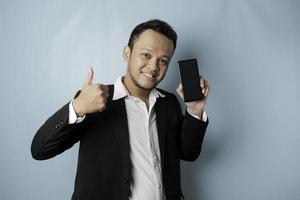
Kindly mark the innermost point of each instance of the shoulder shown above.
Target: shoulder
(171, 102)
(168, 95)
(164, 92)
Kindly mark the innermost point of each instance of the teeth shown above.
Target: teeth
(148, 75)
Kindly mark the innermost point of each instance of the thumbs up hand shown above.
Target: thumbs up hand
(92, 97)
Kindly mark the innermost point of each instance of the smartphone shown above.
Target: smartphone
(190, 80)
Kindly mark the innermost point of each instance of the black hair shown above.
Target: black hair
(155, 25)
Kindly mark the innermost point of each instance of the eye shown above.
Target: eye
(146, 55)
(164, 62)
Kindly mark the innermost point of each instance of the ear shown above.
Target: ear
(126, 53)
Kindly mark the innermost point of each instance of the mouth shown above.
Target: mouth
(149, 75)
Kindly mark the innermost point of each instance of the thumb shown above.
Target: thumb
(89, 77)
(179, 90)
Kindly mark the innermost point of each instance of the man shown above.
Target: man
(132, 135)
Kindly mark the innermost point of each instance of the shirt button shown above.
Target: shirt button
(126, 179)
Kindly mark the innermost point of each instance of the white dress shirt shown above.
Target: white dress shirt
(143, 139)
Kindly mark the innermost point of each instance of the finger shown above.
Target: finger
(204, 88)
(103, 107)
(179, 90)
(103, 101)
(207, 90)
(201, 82)
(104, 94)
(89, 77)
(205, 83)
(104, 87)
(179, 87)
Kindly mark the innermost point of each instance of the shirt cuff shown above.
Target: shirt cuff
(204, 116)
(72, 115)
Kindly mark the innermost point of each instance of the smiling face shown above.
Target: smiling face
(147, 61)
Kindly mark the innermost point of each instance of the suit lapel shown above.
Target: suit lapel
(119, 117)
(161, 122)
(122, 133)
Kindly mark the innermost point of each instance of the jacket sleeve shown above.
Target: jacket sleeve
(191, 136)
(55, 135)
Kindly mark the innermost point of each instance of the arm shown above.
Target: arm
(60, 131)
(191, 134)
(56, 135)
(193, 125)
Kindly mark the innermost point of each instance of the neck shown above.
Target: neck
(134, 90)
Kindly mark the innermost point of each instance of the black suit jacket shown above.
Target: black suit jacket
(104, 165)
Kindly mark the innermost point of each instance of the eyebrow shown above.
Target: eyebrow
(148, 49)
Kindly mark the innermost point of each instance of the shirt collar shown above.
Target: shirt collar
(120, 90)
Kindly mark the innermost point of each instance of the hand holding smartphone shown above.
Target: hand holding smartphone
(190, 80)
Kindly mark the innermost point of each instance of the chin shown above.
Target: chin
(147, 87)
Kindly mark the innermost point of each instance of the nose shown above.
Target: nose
(153, 64)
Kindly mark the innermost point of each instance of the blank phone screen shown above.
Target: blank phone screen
(190, 80)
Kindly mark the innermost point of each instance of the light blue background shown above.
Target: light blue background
(248, 50)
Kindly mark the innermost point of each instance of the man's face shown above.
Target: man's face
(148, 60)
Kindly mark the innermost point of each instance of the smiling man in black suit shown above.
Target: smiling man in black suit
(132, 135)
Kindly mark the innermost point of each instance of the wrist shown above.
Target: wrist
(78, 108)
(196, 112)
